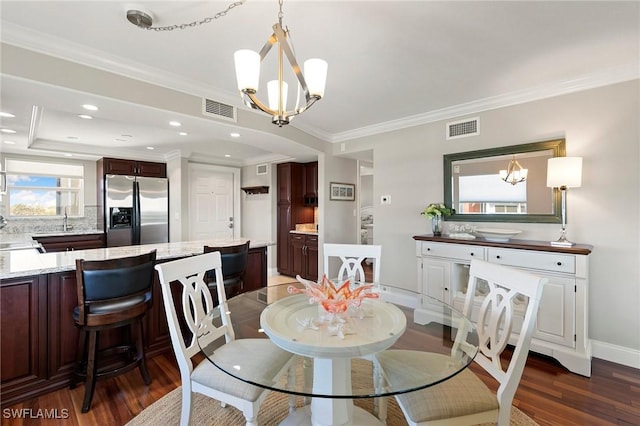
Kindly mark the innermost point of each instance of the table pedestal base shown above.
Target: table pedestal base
(331, 377)
(302, 417)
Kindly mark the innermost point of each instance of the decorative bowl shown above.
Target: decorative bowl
(499, 235)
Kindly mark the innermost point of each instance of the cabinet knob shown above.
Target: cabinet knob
(559, 263)
(471, 253)
(428, 249)
(498, 257)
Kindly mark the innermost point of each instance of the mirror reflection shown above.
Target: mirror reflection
(506, 184)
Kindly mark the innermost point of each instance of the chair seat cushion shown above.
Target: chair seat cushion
(113, 306)
(462, 395)
(260, 358)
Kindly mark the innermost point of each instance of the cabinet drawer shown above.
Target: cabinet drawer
(550, 262)
(462, 252)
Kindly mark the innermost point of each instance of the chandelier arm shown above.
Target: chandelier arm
(255, 103)
(284, 43)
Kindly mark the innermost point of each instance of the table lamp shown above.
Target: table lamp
(563, 173)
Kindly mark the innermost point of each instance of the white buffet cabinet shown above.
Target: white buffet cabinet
(562, 324)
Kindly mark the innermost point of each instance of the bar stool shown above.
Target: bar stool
(234, 267)
(112, 293)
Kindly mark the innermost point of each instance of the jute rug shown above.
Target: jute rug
(206, 411)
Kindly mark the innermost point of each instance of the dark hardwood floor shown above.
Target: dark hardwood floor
(548, 393)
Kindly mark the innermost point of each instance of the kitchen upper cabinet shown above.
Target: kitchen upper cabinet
(311, 184)
(116, 166)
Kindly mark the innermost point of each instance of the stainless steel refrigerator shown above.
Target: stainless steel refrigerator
(136, 210)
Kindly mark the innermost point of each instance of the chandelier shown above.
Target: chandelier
(312, 82)
(514, 173)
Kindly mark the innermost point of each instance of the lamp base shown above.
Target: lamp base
(562, 242)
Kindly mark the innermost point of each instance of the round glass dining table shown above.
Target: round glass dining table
(337, 358)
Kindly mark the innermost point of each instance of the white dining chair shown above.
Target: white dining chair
(351, 257)
(464, 399)
(195, 302)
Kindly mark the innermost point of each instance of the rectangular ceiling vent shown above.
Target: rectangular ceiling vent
(463, 128)
(218, 110)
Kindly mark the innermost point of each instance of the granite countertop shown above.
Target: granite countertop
(304, 232)
(21, 263)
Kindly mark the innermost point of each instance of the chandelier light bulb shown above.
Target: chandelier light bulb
(315, 74)
(247, 64)
(273, 92)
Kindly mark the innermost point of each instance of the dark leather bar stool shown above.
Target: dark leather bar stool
(111, 294)
(234, 267)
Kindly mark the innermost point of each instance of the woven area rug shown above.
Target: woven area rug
(207, 411)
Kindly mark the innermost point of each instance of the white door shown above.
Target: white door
(211, 203)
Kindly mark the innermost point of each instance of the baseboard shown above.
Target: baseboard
(614, 353)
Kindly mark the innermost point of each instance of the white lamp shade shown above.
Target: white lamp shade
(564, 171)
(273, 92)
(315, 74)
(247, 69)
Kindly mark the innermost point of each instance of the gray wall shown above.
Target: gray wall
(600, 125)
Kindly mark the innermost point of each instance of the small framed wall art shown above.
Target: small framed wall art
(342, 191)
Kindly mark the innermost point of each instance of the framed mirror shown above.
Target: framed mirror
(479, 187)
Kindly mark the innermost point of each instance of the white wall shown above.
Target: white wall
(600, 125)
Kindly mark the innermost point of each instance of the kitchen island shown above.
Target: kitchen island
(38, 337)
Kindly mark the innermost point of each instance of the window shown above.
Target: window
(41, 189)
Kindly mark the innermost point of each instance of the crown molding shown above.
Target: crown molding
(630, 71)
(19, 36)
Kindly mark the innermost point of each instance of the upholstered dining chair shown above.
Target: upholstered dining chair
(234, 268)
(112, 293)
(351, 257)
(193, 305)
(464, 399)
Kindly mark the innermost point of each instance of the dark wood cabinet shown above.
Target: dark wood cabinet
(23, 348)
(311, 184)
(291, 210)
(56, 243)
(256, 275)
(117, 166)
(304, 255)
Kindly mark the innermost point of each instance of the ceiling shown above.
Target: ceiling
(392, 64)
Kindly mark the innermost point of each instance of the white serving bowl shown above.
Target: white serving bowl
(499, 235)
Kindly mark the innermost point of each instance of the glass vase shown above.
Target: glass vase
(436, 226)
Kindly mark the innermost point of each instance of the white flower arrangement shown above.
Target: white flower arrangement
(436, 209)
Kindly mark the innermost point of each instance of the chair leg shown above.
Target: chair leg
(140, 353)
(81, 356)
(92, 367)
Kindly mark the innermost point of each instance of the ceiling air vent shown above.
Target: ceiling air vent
(463, 128)
(218, 110)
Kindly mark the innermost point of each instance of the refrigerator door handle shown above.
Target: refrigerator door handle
(135, 229)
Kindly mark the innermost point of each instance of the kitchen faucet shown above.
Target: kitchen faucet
(65, 225)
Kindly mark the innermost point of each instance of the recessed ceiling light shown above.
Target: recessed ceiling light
(9, 142)
(183, 133)
(175, 123)
(150, 148)
(6, 114)
(90, 107)
(7, 130)
(235, 135)
(126, 136)
(72, 137)
(85, 116)
(68, 155)
(227, 155)
(119, 140)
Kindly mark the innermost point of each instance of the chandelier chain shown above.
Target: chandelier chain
(198, 22)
